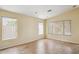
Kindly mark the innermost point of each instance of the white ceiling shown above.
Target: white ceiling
(40, 10)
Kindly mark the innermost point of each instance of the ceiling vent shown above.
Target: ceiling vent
(74, 6)
(49, 10)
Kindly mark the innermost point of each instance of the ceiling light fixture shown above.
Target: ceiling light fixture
(35, 12)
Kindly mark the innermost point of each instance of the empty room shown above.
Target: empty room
(39, 29)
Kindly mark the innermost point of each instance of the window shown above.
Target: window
(9, 28)
(60, 27)
(40, 28)
(67, 27)
(57, 27)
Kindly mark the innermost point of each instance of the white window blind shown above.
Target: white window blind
(9, 28)
(40, 28)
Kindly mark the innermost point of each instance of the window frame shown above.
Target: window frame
(15, 20)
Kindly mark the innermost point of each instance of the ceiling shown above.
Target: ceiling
(38, 11)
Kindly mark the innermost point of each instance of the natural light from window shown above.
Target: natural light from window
(40, 28)
(9, 28)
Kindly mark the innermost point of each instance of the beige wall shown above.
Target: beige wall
(72, 15)
(27, 29)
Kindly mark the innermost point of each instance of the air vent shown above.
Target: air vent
(74, 6)
(49, 10)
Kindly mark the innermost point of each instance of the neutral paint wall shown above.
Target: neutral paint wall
(72, 15)
(27, 29)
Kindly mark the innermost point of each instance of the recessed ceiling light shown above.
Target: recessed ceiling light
(49, 10)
